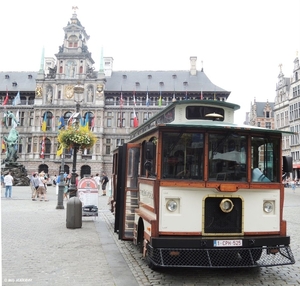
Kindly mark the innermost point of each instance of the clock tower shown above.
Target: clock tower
(73, 65)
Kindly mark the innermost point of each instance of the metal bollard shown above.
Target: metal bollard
(74, 213)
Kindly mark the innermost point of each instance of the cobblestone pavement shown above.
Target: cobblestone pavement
(284, 275)
(38, 249)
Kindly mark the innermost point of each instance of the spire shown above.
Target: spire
(42, 61)
(101, 61)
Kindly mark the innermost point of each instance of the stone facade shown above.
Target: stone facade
(108, 101)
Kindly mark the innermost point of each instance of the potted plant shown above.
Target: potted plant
(76, 137)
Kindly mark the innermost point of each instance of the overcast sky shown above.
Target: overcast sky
(241, 43)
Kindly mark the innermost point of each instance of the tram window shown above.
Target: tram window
(133, 167)
(227, 157)
(200, 112)
(183, 156)
(265, 159)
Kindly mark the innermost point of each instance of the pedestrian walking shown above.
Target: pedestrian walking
(41, 189)
(8, 181)
(104, 182)
(293, 183)
(2, 181)
(97, 179)
(34, 182)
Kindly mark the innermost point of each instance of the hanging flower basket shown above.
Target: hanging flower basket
(72, 137)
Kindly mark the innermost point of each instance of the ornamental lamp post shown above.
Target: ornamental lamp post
(78, 89)
(61, 184)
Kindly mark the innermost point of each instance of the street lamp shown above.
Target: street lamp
(78, 89)
(61, 184)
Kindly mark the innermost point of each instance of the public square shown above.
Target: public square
(38, 249)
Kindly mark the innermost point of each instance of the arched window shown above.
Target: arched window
(47, 146)
(67, 117)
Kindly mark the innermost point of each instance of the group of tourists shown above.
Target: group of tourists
(101, 182)
(38, 183)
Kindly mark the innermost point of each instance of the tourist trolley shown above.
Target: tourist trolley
(193, 189)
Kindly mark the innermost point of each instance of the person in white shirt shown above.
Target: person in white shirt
(8, 181)
(97, 179)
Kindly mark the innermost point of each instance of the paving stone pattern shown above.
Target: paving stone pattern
(38, 249)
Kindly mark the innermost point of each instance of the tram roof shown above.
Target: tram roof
(205, 124)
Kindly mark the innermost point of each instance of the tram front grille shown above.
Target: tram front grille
(217, 221)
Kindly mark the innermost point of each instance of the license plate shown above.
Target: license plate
(228, 243)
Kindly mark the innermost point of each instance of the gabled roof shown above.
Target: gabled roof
(260, 106)
(177, 80)
(25, 81)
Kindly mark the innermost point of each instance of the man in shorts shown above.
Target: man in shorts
(104, 182)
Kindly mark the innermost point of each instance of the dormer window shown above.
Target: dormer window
(30, 76)
(161, 83)
(14, 83)
(149, 76)
(124, 76)
(6, 76)
(137, 83)
(185, 83)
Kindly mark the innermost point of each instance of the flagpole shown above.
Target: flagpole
(61, 185)
(121, 106)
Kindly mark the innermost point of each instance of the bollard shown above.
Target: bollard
(74, 213)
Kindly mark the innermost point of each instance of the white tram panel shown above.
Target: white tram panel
(187, 217)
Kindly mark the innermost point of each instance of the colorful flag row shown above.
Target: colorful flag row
(16, 101)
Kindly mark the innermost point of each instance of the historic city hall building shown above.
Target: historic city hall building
(108, 101)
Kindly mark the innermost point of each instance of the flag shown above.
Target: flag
(159, 100)
(201, 96)
(6, 98)
(43, 148)
(73, 118)
(61, 123)
(121, 100)
(147, 98)
(60, 150)
(85, 123)
(135, 120)
(44, 123)
(17, 99)
(16, 122)
(93, 123)
(121, 106)
(174, 98)
(134, 102)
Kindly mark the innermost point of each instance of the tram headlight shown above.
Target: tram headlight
(268, 206)
(226, 205)
(171, 205)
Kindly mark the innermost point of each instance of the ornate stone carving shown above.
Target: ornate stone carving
(69, 91)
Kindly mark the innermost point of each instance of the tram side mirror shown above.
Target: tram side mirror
(149, 150)
(287, 164)
(148, 166)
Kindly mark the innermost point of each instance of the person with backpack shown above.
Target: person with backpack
(104, 182)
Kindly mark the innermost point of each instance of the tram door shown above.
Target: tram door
(127, 189)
